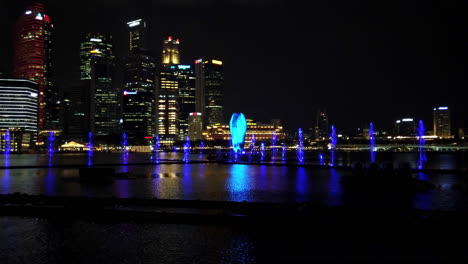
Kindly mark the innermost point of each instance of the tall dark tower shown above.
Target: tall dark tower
(139, 95)
(209, 92)
(321, 126)
(33, 60)
(138, 37)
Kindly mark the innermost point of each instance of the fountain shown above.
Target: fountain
(202, 147)
(283, 152)
(238, 127)
(262, 151)
(125, 151)
(372, 141)
(7, 138)
(252, 148)
(90, 149)
(321, 158)
(51, 140)
(333, 142)
(156, 148)
(300, 147)
(422, 155)
(273, 146)
(186, 158)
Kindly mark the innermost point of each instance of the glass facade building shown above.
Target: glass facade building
(209, 90)
(94, 45)
(32, 60)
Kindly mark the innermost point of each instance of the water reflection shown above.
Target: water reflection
(301, 184)
(122, 188)
(238, 183)
(6, 174)
(50, 184)
(187, 181)
(334, 189)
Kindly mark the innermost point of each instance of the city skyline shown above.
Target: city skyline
(258, 69)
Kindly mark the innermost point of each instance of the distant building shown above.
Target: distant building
(19, 106)
(405, 127)
(168, 107)
(321, 126)
(33, 61)
(209, 92)
(263, 132)
(195, 126)
(19, 140)
(442, 127)
(138, 36)
(170, 53)
(76, 112)
(94, 45)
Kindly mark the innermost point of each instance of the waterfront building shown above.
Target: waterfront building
(405, 127)
(33, 61)
(209, 90)
(441, 118)
(19, 107)
(261, 131)
(76, 101)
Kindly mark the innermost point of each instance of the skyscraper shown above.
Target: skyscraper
(19, 105)
(33, 45)
(137, 35)
(170, 54)
(168, 107)
(139, 95)
(105, 100)
(321, 126)
(185, 76)
(94, 45)
(209, 92)
(442, 127)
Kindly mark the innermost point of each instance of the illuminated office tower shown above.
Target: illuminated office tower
(209, 90)
(185, 76)
(94, 45)
(137, 35)
(19, 106)
(139, 95)
(168, 107)
(170, 54)
(405, 127)
(32, 60)
(442, 127)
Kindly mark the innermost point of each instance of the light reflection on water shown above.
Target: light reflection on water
(233, 182)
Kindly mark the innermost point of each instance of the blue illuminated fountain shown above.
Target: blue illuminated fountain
(156, 148)
(51, 140)
(321, 158)
(238, 127)
(300, 147)
(273, 146)
(333, 142)
(7, 138)
(90, 149)
(202, 147)
(252, 148)
(262, 151)
(283, 152)
(422, 155)
(186, 158)
(372, 141)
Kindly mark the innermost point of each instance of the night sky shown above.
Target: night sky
(362, 60)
